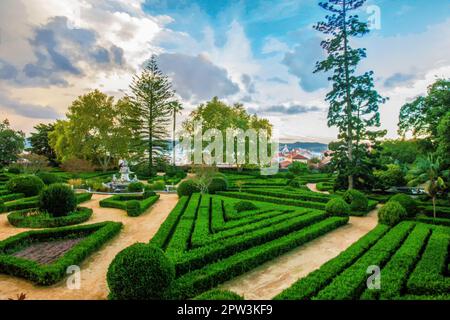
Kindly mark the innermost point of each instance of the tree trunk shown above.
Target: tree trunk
(173, 136)
(348, 98)
(434, 207)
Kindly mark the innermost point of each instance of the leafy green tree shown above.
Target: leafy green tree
(12, 143)
(216, 114)
(393, 176)
(353, 99)
(422, 116)
(95, 130)
(152, 99)
(443, 140)
(40, 142)
(426, 172)
(298, 168)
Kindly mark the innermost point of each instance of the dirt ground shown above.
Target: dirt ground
(95, 267)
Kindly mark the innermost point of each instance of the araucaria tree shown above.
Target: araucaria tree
(152, 100)
(353, 100)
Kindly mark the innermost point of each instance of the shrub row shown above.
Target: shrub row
(198, 257)
(219, 295)
(12, 196)
(350, 283)
(287, 202)
(23, 219)
(133, 208)
(299, 195)
(309, 286)
(196, 282)
(96, 236)
(396, 272)
(437, 221)
(166, 230)
(428, 276)
(180, 238)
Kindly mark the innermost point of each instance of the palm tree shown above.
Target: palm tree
(176, 108)
(426, 172)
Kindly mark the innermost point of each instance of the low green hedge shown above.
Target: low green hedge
(12, 197)
(193, 283)
(219, 295)
(307, 287)
(133, 207)
(22, 219)
(96, 236)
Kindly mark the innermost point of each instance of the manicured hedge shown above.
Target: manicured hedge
(133, 207)
(96, 236)
(166, 230)
(193, 283)
(21, 219)
(287, 202)
(351, 282)
(12, 197)
(309, 286)
(219, 295)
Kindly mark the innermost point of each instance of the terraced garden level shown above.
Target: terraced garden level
(210, 242)
(413, 258)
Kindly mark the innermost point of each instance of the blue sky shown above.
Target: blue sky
(257, 52)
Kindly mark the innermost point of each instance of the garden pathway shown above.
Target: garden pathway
(313, 187)
(271, 278)
(95, 267)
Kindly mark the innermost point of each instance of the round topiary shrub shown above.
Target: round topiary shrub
(140, 272)
(58, 200)
(187, 188)
(242, 206)
(135, 187)
(337, 207)
(407, 202)
(28, 185)
(295, 183)
(391, 213)
(217, 184)
(49, 178)
(219, 295)
(133, 208)
(357, 200)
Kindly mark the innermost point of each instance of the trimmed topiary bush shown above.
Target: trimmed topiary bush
(391, 213)
(28, 185)
(296, 183)
(219, 295)
(217, 184)
(58, 200)
(49, 178)
(140, 272)
(407, 202)
(135, 187)
(133, 208)
(357, 200)
(337, 207)
(242, 206)
(187, 188)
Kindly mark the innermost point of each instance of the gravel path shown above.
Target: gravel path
(95, 267)
(271, 278)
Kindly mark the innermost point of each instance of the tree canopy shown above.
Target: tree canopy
(12, 143)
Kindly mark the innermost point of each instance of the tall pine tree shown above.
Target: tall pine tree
(152, 98)
(353, 99)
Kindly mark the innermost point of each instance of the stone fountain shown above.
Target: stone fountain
(121, 184)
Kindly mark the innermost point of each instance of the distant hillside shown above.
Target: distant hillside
(310, 146)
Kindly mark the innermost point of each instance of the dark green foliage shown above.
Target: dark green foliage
(95, 236)
(407, 202)
(2, 206)
(357, 200)
(219, 295)
(49, 178)
(28, 185)
(309, 286)
(29, 219)
(140, 272)
(298, 168)
(337, 207)
(187, 188)
(134, 205)
(58, 200)
(242, 206)
(14, 170)
(391, 213)
(135, 187)
(217, 184)
(296, 183)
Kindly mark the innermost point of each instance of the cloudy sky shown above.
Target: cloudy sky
(258, 52)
